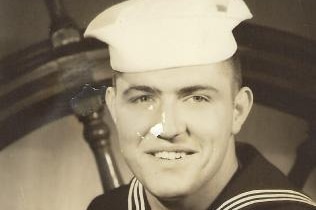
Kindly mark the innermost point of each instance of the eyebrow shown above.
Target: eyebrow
(195, 88)
(182, 91)
(141, 88)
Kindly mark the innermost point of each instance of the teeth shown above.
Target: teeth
(170, 155)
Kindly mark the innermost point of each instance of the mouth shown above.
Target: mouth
(171, 155)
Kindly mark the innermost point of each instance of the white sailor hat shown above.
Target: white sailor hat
(146, 35)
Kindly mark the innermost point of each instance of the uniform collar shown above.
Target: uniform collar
(137, 199)
(255, 180)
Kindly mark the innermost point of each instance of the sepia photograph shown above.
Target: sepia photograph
(158, 104)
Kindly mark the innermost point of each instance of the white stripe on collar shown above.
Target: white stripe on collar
(141, 194)
(130, 192)
(136, 201)
(259, 196)
(136, 196)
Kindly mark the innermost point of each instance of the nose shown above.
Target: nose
(172, 124)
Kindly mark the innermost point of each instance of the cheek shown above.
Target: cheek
(132, 127)
(212, 121)
(135, 123)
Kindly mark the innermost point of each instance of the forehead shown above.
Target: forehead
(218, 75)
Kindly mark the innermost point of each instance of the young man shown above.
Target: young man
(177, 103)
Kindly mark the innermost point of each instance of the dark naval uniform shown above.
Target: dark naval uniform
(257, 185)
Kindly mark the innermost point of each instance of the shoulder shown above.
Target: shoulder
(258, 185)
(269, 199)
(114, 199)
(286, 205)
(280, 206)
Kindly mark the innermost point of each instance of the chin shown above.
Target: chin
(169, 194)
(168, 190)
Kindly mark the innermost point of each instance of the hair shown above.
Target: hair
(115, 75)
(235, 63)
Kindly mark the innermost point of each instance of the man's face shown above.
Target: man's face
(174, 125)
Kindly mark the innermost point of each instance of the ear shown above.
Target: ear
(242, 106)
(110, 101)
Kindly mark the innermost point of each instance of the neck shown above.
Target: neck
(206, 194)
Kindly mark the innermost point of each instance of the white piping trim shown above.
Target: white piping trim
(130, 192)
(271, 200)
(269, 193)
(136, 196)
(141, 195)
(265, 196)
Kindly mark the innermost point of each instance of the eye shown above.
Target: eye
(142, 99)
(198, 99)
